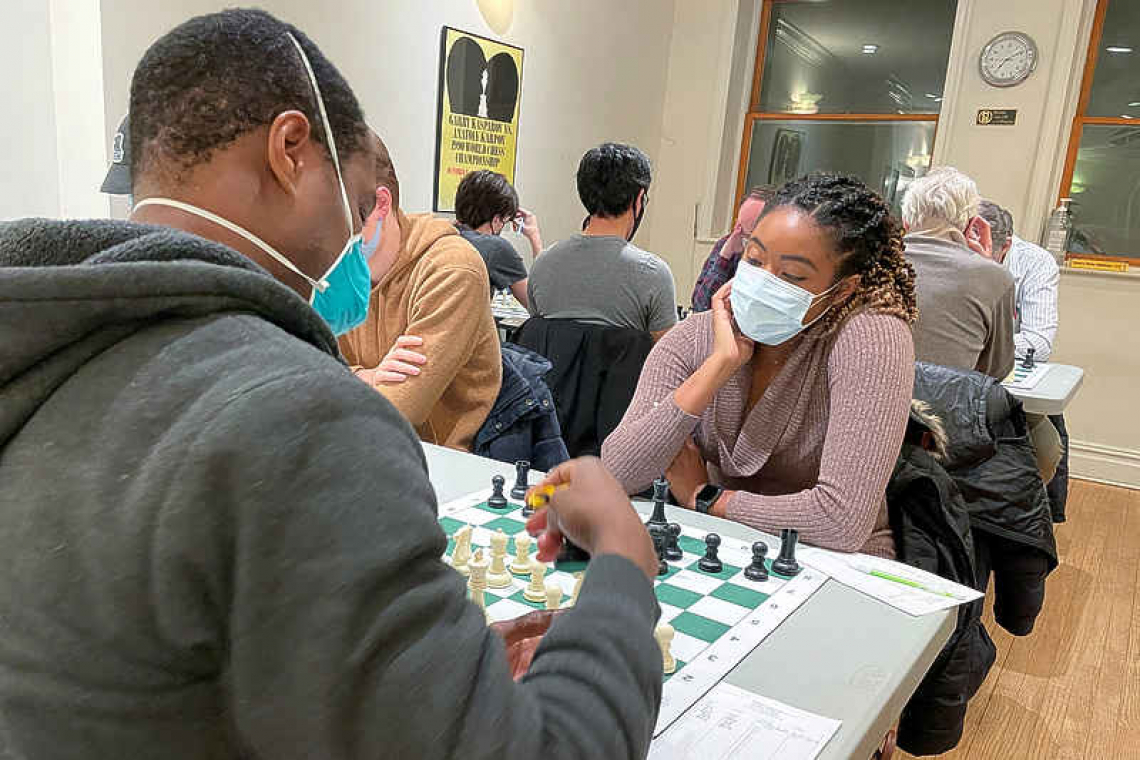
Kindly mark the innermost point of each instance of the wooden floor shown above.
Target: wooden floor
(1071, 689)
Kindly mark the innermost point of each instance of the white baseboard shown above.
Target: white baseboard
(1104, 464)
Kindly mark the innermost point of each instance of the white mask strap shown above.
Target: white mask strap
(328, 131)
(226, 223)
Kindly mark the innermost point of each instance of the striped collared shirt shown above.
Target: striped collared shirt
(1036, 278)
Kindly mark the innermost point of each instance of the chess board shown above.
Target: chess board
(1023, 379)
(719, 618)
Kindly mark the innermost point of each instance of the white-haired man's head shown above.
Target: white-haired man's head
(945, 197)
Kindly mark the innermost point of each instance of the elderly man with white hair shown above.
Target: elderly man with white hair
(965, 301)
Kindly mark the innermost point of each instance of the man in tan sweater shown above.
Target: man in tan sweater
(429, 293)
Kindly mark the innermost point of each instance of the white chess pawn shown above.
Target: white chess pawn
(477, 583)
(497, 576)
(536, 590)
(521, 564)
(553, 596)
(461, 556)
(664, 635)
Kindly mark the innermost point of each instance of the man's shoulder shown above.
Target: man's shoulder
(1027, 255)
(647, 261)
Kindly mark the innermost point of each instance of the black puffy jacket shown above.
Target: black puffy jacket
(991, 459)
(931, 528)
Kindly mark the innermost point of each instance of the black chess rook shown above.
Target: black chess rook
(497, 500)
(757, 571)
(522, 480)
(711, 563)
(786, 563)
(659, 535)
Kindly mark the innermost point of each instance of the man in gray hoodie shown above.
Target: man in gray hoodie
(217, 542)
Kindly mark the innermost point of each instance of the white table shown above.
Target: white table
(843, 655)
(1054, 392)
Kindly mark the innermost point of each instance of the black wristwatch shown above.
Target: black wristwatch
(707, 496)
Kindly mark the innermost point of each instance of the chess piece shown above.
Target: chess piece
(786, 564)
(660, 494)
(461, 556)
(521, 564)
(477, 583)
(497, 500)
(757, 571)
(522, 477)
(711, 563)
(497, 576)
(658, 534)
(1027, 362)
(673, 551)
(571, 552)
(664, 635)
(577, 589)
(553, 597)
(536, 590)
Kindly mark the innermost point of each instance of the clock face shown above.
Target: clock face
(1008, 59)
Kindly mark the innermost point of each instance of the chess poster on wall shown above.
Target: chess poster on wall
(480, 83)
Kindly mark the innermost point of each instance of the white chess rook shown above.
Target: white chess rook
(536, 590)
(553, 596)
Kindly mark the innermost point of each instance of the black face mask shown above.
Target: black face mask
(640, 215)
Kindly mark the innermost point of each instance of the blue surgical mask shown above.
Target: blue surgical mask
(767, 309)
(341, 295)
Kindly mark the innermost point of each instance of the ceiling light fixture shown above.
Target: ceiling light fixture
(1118, 49)
(870, 49)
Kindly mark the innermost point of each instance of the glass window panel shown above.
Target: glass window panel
(1106, 192)
(1115, 82)
(886, 155)
(815, 60)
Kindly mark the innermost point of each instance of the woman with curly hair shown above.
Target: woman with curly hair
(785, 406)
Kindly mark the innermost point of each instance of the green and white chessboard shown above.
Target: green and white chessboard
(719, 618)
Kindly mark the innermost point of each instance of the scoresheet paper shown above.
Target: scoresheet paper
(730, 722)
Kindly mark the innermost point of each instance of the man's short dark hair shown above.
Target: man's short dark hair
(610, 176)
(1000, 221)
(214, 78)
(764, 193)
(483, 195)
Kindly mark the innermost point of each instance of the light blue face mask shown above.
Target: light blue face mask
(341, 295)
(767, 309)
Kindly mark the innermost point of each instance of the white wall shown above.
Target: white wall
(593, 70)
(29, 182)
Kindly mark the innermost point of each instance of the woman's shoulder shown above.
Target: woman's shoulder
(692, 336)
(877, 333)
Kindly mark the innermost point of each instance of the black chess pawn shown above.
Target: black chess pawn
(757, 571)
(711, 563)
(786, 564)
(522, 482)
(497, 500)
(673, 551)
(660, 494)
(1027, 362)
(659, 535)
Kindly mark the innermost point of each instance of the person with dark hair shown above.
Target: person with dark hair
(485, 203)
(720, 267)
(600, 277)
(218, 542)
(785, 406)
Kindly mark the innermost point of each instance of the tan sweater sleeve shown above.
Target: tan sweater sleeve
(443, 308)
(870, 381)
(654, 428)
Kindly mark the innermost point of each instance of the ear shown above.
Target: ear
(384, 202)
(287, 149)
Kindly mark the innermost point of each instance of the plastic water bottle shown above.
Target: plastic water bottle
(1057, 231)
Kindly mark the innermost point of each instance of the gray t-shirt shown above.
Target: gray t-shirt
(504, 265)
(603, 280)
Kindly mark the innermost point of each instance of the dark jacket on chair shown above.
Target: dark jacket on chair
(991, 459)
(523, 423)
(595, 373)
(931, 528)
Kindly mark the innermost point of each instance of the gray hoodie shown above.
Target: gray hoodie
(217, 543)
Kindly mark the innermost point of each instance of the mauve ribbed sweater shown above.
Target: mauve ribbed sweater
(816, 451)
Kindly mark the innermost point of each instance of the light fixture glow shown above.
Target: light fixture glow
(932, 96)
(870, 49)
(1118, 49)
(1134, 103)
(1126, 116)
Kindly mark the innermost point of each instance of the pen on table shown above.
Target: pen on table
(905, 581)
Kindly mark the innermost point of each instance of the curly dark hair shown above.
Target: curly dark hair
(483, 195)
(868, 238)
(216, 77)
(610, 176)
